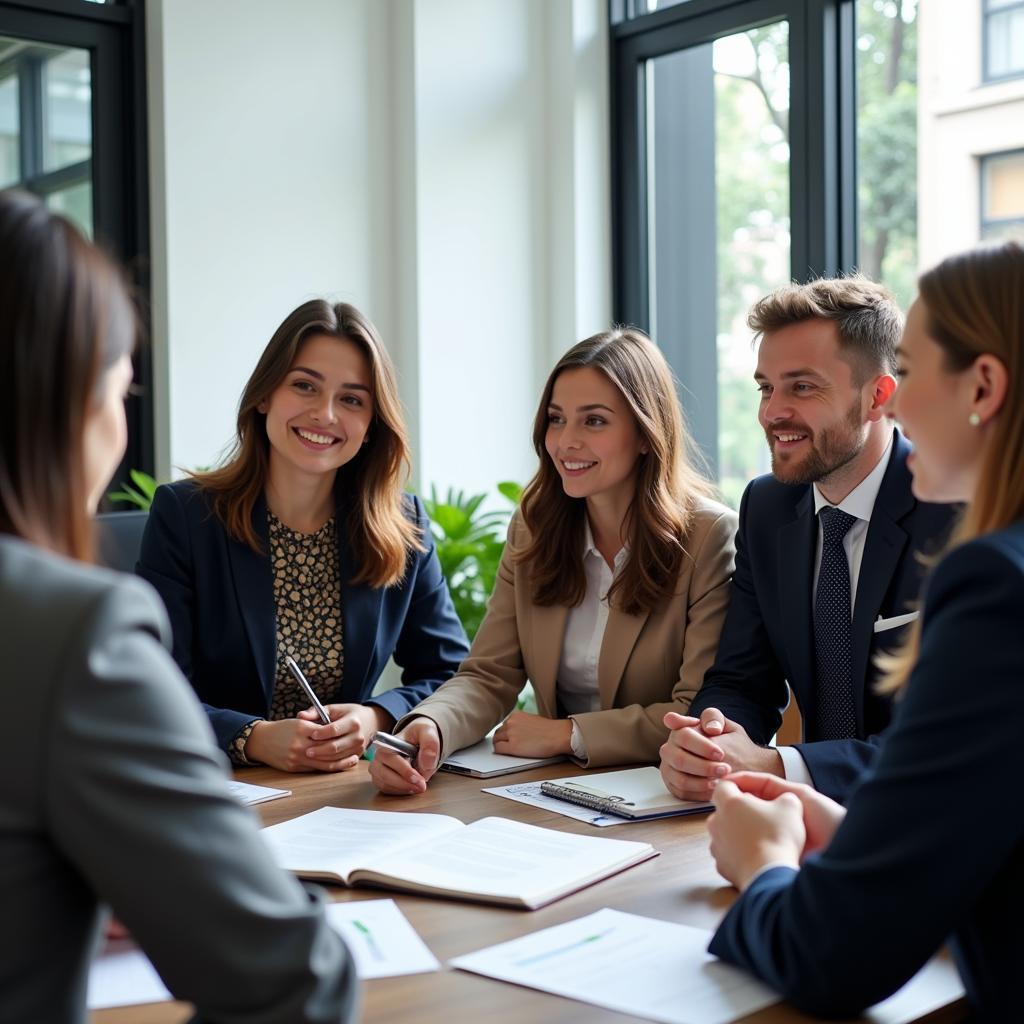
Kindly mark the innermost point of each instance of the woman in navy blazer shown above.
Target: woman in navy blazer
(931, 847)
(303, 544)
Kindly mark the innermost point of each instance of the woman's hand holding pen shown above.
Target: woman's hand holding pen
(397, 775)
(305, 744)
(349, 731)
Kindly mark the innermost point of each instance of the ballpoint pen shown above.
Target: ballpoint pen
(304, 683)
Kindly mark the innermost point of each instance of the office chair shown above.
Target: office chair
(119, 538)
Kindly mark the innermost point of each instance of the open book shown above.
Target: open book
(636, 793)
(494, 860)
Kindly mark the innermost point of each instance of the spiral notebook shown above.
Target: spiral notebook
(637, 794)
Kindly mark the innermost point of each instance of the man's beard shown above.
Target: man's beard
(833, 448)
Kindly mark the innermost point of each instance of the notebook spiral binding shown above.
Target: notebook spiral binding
(578, 796)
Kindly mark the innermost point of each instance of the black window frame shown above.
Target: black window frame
(823, 145)
(114, 35)
(988, 12)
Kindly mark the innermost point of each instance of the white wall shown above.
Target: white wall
(442, 164)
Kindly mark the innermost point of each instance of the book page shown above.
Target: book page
(497, 857)
(334, 840)
(636, 965)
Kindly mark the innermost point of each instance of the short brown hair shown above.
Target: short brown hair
(865, 313)
(65, 319)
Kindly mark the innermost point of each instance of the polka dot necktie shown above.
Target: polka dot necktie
(836, 712)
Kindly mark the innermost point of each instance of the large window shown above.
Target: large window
(1003, 45)
(46, 125)
(757, 142)
(734, 171)
(72, 130)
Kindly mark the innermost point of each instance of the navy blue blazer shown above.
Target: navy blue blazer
(768, 636)
(219, 595)
(933, 842)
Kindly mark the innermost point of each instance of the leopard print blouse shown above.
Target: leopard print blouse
(307, 596)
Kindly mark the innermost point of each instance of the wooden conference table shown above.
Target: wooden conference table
(680, 885)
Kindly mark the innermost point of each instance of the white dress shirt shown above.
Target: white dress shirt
(859, 503)
(577, 688)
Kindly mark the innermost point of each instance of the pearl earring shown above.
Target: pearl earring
(974, 419)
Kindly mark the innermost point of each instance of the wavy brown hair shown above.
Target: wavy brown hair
(379, 532)
(668, 486)
(65, 319)
(974, 305)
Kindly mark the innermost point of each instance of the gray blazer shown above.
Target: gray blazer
(112, 790)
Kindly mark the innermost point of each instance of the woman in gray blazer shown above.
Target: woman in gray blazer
(111, 787)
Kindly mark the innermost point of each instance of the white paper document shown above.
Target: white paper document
(482, 762)
(529, 793)
(250, 794)
(123, 976)
(636, 965)
(383, 943)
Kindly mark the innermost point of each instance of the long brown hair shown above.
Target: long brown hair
(379, 532)
(65, 319)
(668, 486)
(974, 305)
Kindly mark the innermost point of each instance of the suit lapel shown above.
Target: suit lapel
(883, 548)
(547, 634)
(794, 570)
(620, 636)
(361, 607)
(254, 591)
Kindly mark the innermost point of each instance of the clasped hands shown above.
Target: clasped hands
(760, 818)
(305, 744)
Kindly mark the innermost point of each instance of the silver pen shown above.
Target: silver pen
(304, 683)
(386, 741)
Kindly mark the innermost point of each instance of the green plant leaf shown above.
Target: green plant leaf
(146, 484)
(511, 490)
(129, 496)
(469, 545)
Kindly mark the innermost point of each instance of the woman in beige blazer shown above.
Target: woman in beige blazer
(613, 586)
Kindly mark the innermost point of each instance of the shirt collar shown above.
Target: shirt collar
(590, 548)
(861, 500)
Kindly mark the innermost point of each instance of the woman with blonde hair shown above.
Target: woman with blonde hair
(303, 546)
(613, 586)
(931, 846)
(110, 785)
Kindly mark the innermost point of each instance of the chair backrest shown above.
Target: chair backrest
(119, 539)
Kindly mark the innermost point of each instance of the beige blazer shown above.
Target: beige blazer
(649, 664)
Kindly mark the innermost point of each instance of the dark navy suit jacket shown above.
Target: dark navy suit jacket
(768, 636)
(219, 594)
(933, 842)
